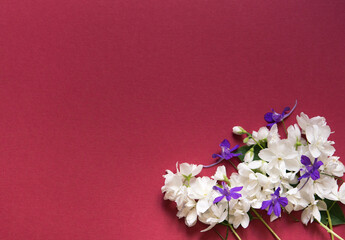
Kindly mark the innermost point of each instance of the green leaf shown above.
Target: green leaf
(244, 149)
(335, 212)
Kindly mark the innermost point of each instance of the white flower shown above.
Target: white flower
(249, 179)
(191, 218)
(188, 210)
(294, 136)
(273, 135)
(341, 193)
(317, 137)
(256, 186)
(217, 213)
(201, 190)
(296, 201)
(281, 156)
(304, 121)
(238, 214)
(189, 169)
(172, 186)
(313, 211)
(258, 136)
(324, 187)
(333, 166)
(220, 174)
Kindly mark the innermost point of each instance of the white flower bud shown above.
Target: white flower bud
(238, 130)
(249, 156)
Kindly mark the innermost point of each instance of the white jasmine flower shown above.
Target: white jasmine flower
(249, 179)
(201, 190)
(313, 211)
(220, 174)
(324, 187)
(281, 156)
(273, 135)
(172, 186)
(334, 167)
(317, 137)
(189, 170)
(188, 211)
(239, 215)
(217, 213)
(258, 136)
(296, 201)
(294, 136)
(191, 218)
(341, 193)
(304, 121)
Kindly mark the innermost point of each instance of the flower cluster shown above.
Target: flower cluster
(211, 200)
(295, 173)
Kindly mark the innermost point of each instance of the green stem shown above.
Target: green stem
(330, 224)
(227, 228)
(329, 230)
(293, 218)
(339, 178)
(218, 234)
(331, 206)
(233, 165)
(251, 136)
(234, 232)
(284, 128)
(264, 222)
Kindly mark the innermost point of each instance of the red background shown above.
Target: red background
(98, 98)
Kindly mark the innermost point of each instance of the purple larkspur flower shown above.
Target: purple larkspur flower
(227, 152)
(311, 170)
(227, 192)
(275, 203)
(274, 117)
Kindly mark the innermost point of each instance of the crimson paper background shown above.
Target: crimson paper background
(98, 98)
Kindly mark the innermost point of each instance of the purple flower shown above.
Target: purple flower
(274, 117)
(275, 203)
(311, 170)
(227, 192)
(227, 153)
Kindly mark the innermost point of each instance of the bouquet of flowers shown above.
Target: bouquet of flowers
(296, 173)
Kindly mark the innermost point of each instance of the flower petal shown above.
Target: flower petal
(305, 160)
(236, 189)
(270, 209)
(315, 175)
(218, 189)
(235, 195)
(218, 199)
(268, 117)
(276, 192)
(202, 205)
(225, 144)
(314, 151)
(267, 155)
(191, 218)
(265, 204)
(283, 201)
(277, 209)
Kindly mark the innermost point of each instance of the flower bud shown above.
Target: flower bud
(238, 130)
(249, 156)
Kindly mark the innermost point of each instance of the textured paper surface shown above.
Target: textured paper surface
(98, 98)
